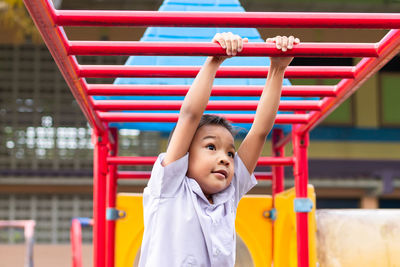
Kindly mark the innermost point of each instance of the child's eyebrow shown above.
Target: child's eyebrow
(209, 136)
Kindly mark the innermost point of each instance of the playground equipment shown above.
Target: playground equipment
(29, 234)
(76, 239)
(255, 226)
(307, 113)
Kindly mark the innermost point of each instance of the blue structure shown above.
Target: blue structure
(191, 35)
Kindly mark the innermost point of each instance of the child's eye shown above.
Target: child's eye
(211, 147)
(231, 154)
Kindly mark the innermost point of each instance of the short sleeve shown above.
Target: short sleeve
(165, 181)
(243, 181)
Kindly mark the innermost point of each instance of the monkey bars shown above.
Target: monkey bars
(307, 113)
(218, 90)
(227, 19)
(202, 49)
(107, 71)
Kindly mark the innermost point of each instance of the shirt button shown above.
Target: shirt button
(216, 252)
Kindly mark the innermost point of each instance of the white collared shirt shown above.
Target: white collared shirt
(182, 228)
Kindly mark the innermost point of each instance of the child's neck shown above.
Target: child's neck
(210, 199)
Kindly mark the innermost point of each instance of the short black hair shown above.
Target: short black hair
(211, 119)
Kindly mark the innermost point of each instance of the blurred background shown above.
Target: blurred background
(45, 142)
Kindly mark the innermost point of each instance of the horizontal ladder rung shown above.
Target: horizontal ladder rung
(136, 48)
(113, 71)
(107, 105)
(164, 117)
(146, 175)
(262, 161)
(228, 19)
(218, 90)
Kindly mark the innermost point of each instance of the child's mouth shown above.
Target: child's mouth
(221, 174)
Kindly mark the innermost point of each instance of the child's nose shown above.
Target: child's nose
(224, 159)
(224, 162)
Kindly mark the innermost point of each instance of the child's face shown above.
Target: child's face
(211, 156)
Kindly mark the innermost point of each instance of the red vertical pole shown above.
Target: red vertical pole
(76, 243)
(99, 197)
(111, 202)
(300, 144)
(277, 171)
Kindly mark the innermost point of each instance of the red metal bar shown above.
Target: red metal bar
(42, 14)
(134, 48)
(111, 192)
(165, 117)
(99, 198)
(389, 47)
(300, 171)
(133, 175)
(282, 142)
(112, 71)
(106, 105)
(76, 243)
(277, 171)
(228, 19)
(146, 175)
(263, 161)
(76, 239)
(218, 90)
(131, 160)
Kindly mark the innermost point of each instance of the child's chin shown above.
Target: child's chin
(220, 188)
(217, 187)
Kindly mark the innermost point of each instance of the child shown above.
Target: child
(191, 199)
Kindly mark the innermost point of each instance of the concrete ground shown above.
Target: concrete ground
(44, 255)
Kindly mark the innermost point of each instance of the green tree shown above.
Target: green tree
(13, 15)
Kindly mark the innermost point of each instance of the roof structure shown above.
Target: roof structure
(192, 34)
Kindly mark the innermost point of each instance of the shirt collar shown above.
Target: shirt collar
(218, 198)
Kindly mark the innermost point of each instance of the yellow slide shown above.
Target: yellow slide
(253, 226)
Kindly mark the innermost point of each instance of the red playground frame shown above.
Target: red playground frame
(307, 113)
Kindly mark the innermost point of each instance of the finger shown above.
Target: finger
(218, 38)
(270, 40)
(226, 36)
(228, 43)
(240, 44)
(284, 43)
(278, 42)
(235, 45)
(296, 40)
(290, 42)
(244, 41)
(222, 42)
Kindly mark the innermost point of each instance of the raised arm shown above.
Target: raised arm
(196, 99)
(251, 147)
